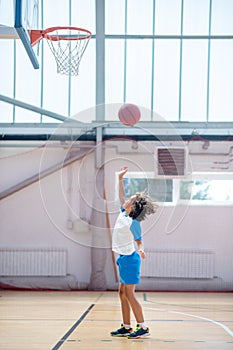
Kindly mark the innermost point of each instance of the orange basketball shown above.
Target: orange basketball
(129, 114)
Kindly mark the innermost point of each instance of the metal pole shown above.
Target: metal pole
(35, 109)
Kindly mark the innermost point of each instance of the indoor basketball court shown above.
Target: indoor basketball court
(116, 154)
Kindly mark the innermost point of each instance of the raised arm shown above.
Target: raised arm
(121, 185)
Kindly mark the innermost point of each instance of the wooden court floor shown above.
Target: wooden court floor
(52, 320)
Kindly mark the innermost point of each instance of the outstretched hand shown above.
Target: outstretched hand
(123, 172)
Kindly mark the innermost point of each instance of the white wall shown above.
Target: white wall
(38, 216)
(54, 212)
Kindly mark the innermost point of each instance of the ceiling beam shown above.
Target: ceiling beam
(142, 131)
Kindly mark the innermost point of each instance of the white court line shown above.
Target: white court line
(199, 317)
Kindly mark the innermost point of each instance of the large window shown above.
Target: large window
(173, 57)
(200, 189)
(211, 191)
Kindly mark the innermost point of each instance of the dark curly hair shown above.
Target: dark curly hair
(143, 205)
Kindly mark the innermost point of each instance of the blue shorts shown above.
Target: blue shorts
(129, 268)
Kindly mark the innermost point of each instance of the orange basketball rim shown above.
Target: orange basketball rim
(67, 45)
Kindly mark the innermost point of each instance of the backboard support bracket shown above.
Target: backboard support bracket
(24, 34)
(27, 45)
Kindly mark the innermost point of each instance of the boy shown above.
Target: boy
(127, 229)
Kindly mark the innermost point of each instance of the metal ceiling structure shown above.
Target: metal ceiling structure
(71, 129)
(145, 131)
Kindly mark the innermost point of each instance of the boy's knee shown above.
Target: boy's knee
(129, 293)
(121, 292)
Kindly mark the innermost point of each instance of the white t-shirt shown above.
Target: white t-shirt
(125, 232)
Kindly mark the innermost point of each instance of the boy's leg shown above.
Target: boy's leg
(125, 328)
(141, 330)
(125, 306)
(134, 303)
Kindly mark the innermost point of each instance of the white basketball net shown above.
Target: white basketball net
(68, 52)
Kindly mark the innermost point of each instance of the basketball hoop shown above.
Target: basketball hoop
(67, 45)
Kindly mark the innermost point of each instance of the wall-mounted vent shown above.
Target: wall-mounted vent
(170, 161)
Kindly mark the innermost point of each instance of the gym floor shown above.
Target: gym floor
(67, 320)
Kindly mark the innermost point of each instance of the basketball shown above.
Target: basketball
(129, 114)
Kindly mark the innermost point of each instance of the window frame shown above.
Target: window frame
(177, 185)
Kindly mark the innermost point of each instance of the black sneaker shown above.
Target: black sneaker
(121, 332)
(140, 332)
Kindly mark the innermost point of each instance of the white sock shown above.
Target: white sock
(127, 326)
(143, 325)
